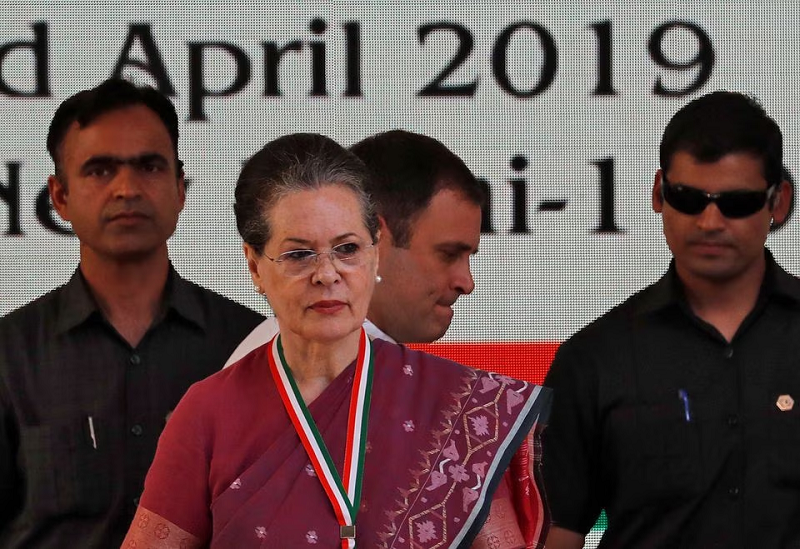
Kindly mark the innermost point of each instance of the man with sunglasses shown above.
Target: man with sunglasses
(675, 412)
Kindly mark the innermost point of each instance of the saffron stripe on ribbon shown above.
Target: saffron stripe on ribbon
(345, 502)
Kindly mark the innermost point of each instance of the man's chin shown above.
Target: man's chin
(439, 326)
(424, 333)
(130, 253)
(715, 271)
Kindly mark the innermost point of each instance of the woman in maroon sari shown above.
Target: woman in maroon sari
(322, 437)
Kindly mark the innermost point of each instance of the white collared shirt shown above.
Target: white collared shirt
(265, 331)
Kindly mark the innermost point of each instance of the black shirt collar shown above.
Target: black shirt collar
(668, 291)
(77, 305)
(664, 293)
(779, 283)
(182, 297)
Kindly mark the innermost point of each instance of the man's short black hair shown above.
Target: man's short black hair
(86, 106)
(721, 123)
(407, 170)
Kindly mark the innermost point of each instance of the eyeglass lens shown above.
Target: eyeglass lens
(344, 255)
(732, 204)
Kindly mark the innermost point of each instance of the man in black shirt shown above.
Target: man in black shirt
(90, 372)
(675, 412)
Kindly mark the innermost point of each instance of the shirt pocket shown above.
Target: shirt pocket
(784, 452)
(64, 472)
(660, 458)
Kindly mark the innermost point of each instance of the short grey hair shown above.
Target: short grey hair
(293, 163)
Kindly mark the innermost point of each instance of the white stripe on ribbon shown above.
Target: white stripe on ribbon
(359, 446)
(344, 502)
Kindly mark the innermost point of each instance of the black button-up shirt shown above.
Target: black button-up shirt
(81, 410)
(676, 432)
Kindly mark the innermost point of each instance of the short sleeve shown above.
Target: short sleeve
(177, 486)
(571, 462)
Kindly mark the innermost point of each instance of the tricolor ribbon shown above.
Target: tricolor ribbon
(343, 492)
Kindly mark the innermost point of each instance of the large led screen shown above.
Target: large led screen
(557, 107)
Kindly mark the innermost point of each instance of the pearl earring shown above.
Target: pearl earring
(378, 278)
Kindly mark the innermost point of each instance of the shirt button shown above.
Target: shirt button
(137, 430)
(135, 359)
(733, 420)
(728, 352)
(733, 492)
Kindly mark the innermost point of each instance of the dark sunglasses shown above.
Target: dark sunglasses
(731, 204)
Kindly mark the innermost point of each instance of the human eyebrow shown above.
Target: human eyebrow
(135, 161)
(293, 241)
(148, 159)
(308, 244)
(100, 162)
(103, 160)
(456, 248)
(345, 237)
(734, 191)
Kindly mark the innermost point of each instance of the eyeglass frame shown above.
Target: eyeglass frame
(769, 195)
(314, 258)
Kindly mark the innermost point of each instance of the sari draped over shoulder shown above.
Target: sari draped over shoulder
(450, 450)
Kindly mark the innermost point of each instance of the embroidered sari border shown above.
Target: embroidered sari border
(522, 425)
(153, 531)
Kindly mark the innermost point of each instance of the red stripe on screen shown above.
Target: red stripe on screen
(527, 361)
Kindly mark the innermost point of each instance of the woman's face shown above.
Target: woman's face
(327, 299)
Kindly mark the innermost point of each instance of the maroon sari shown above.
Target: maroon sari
(230, 470)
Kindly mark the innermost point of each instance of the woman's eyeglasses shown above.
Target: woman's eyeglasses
(731, 204)
(302, 262)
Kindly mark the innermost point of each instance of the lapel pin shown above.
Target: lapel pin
(785, 403)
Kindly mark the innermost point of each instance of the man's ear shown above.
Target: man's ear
(657, 197)
(58, 195)
(781, 202)
(182, 189)
(386, 238)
